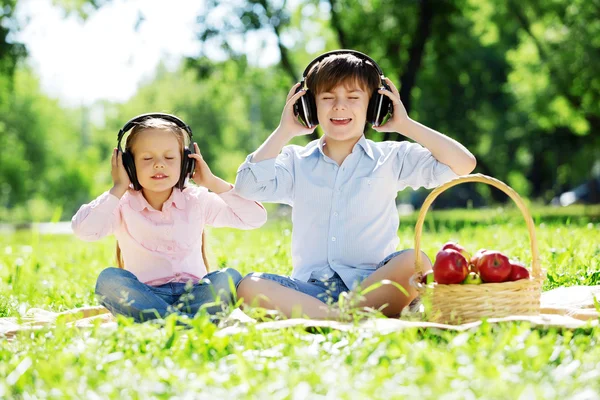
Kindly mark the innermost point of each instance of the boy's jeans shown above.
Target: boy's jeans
(122, 293)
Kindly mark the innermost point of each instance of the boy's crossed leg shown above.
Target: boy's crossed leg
(269, 294)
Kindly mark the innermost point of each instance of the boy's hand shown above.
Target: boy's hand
(120, 178)
(202, 174)
(399, 115)
(289, 124)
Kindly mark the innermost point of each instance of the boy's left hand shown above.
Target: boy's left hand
(202, 174)
(399, 115)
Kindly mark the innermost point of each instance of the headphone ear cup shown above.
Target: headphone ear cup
(191, 163)
(379, 107)
(371, 107)
(312, 105)
(187, 166)
(129, 165)
(306, 108)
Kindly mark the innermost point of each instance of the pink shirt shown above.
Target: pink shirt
(165, 246)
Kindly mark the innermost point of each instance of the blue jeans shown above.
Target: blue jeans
(122, 293)
(327, 290)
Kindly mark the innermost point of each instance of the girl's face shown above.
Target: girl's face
(157, 156)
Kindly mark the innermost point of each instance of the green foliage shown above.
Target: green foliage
(42, 167)
(515, 82)
(82, 8)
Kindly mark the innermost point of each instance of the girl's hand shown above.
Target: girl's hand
(120, 178)
(399, 115)
(289, 124)
(202, 174)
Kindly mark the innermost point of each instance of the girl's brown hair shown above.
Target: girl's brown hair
(344, 69)
(180, 134)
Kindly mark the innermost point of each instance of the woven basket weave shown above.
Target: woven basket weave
(455, 304)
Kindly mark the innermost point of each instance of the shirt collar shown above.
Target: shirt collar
(138, 202)
(310, 148)
(319, 144)
(362, 142)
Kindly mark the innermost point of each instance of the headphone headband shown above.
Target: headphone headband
(168, 117)
(379, 105)
(358, 54)
(187, 164)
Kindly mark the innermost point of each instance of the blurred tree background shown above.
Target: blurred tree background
(517, 82)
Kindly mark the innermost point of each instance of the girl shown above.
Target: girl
(158, 222)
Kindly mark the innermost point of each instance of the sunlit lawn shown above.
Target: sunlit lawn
(140, 361)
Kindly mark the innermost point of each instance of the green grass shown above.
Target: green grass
(143, 360)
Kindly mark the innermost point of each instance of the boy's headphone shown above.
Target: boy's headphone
(379, 104)
(187, 164)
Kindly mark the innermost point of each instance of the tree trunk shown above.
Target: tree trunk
(336, 24)
(415, 56)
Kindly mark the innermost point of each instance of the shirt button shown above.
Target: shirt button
(333, 239)
(335, 214)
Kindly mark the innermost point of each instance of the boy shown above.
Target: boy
(342, 188)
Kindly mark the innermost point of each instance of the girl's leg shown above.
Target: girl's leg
(213, 293)
(399, 269)
(122, 293)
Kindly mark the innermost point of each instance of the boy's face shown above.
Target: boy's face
(342, 111)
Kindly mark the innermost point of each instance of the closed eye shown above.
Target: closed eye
(170, 158)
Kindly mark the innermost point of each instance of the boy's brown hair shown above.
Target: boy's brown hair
(346, 69)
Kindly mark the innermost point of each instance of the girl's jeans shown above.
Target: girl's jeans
(122, 293)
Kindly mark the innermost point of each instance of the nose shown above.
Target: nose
(339, 104)
(159, 164)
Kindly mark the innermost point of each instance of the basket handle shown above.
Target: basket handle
(535, 262)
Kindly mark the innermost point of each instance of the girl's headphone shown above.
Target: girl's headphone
(187, 164)
(379, 104)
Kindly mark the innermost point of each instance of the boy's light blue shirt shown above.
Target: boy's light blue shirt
(344, 217)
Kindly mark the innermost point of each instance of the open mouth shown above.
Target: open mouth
(159, 176)
(340, 121)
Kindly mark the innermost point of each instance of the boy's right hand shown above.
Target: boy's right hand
(119, 174)
(289, 124)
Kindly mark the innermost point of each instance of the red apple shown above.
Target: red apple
(450, 267)
(518, 271)
(457, 247)
(474, 261)
(494, 266)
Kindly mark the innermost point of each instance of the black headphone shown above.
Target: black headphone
(379, 104)
(187, 164)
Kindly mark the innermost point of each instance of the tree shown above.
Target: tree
(517, 82)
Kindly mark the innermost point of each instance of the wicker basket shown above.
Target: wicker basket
(456, 304)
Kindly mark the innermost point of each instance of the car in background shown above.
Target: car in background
(586, 193)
